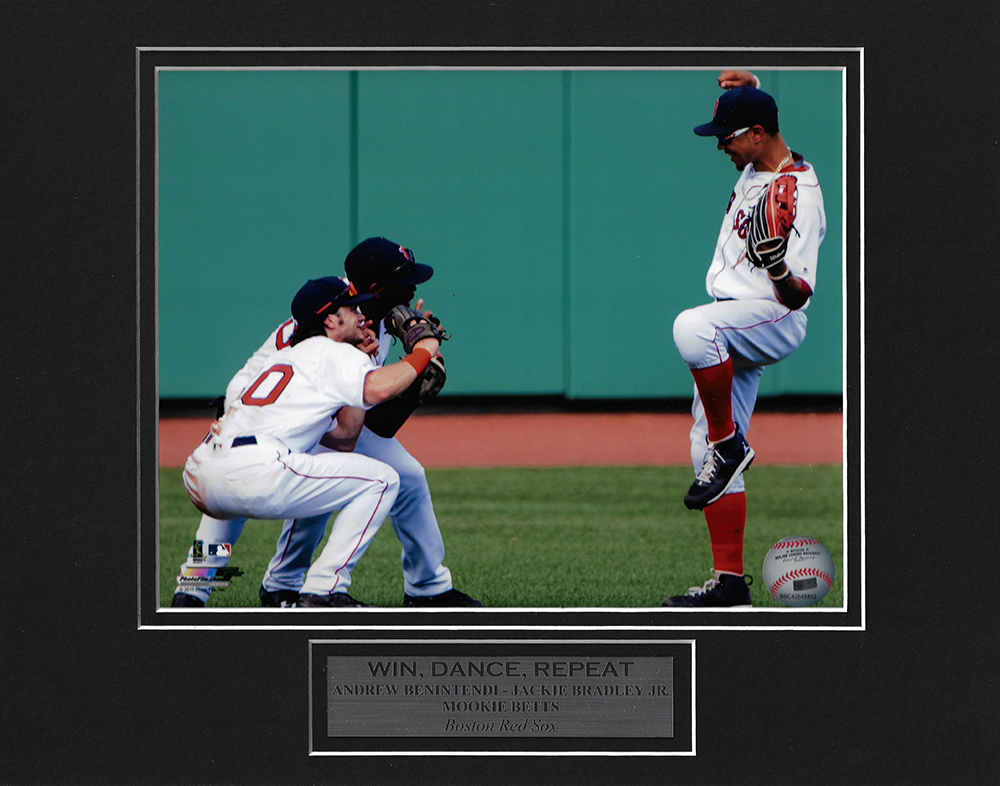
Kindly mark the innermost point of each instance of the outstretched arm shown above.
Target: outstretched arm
(389, 381)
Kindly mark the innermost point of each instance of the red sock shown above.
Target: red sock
(715, 389)
(726, 519)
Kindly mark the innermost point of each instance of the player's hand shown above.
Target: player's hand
(370, 345)
(429, 315)
(731, 79)
(419, 306)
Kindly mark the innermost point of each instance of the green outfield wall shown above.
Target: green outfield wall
(569, 216)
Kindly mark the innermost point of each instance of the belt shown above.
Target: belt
(236, 442)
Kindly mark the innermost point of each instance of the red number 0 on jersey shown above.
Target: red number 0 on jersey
(276, 386)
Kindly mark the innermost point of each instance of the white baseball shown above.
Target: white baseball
(798, 571)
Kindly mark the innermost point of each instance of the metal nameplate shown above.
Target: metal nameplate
(447, 696)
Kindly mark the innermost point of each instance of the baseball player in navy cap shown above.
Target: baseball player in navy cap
(387, 275)
(377, 260)
(390, 273)
(760, 281)
(258, 460)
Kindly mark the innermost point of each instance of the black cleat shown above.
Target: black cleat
(336, 599)
(182, 599)
(277, 599)
(724, 461)
(452, 598)
(729, 590)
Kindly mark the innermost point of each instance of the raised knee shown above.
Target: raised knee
(692, 333)
(689, 323)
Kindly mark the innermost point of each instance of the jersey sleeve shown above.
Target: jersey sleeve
(808, 234)
(277, 341)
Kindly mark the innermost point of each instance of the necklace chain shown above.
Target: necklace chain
(784, 161)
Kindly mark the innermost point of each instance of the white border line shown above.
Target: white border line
(478, 68)
(500, 49)
(156, 306)
(844, 69)
(547, 628)
(529, 642)
(861, 327)
(844, 404)
(138, 370)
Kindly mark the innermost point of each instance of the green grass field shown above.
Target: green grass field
(570, 537)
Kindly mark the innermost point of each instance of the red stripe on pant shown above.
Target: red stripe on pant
(370, 518)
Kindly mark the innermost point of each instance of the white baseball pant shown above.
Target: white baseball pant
(412, 517)
(266, 481)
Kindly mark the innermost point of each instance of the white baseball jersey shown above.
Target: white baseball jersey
(278, 340)
(731, 276)
(384, 343)
(294, 398)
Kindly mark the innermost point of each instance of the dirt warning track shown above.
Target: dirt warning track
(570, 439)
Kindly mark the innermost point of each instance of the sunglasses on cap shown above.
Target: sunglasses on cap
(732, 136)
(350, 292)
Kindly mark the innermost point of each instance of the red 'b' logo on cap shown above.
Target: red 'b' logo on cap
(406, 254)
(715, 109)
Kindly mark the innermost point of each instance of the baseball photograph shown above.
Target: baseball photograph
(637, 429)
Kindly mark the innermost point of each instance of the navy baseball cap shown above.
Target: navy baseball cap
(381, 260)
(738, 108)
(320, 296)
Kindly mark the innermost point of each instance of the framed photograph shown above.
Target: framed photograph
(178, 172)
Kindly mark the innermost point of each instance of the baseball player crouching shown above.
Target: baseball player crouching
(762, 276)
(255, 461)
(389, 273)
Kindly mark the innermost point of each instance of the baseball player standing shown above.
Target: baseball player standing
(255, 461)
(762, 276)
(389, 274)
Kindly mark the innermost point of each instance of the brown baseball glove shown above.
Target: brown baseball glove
(771, 222)
(410, 326)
